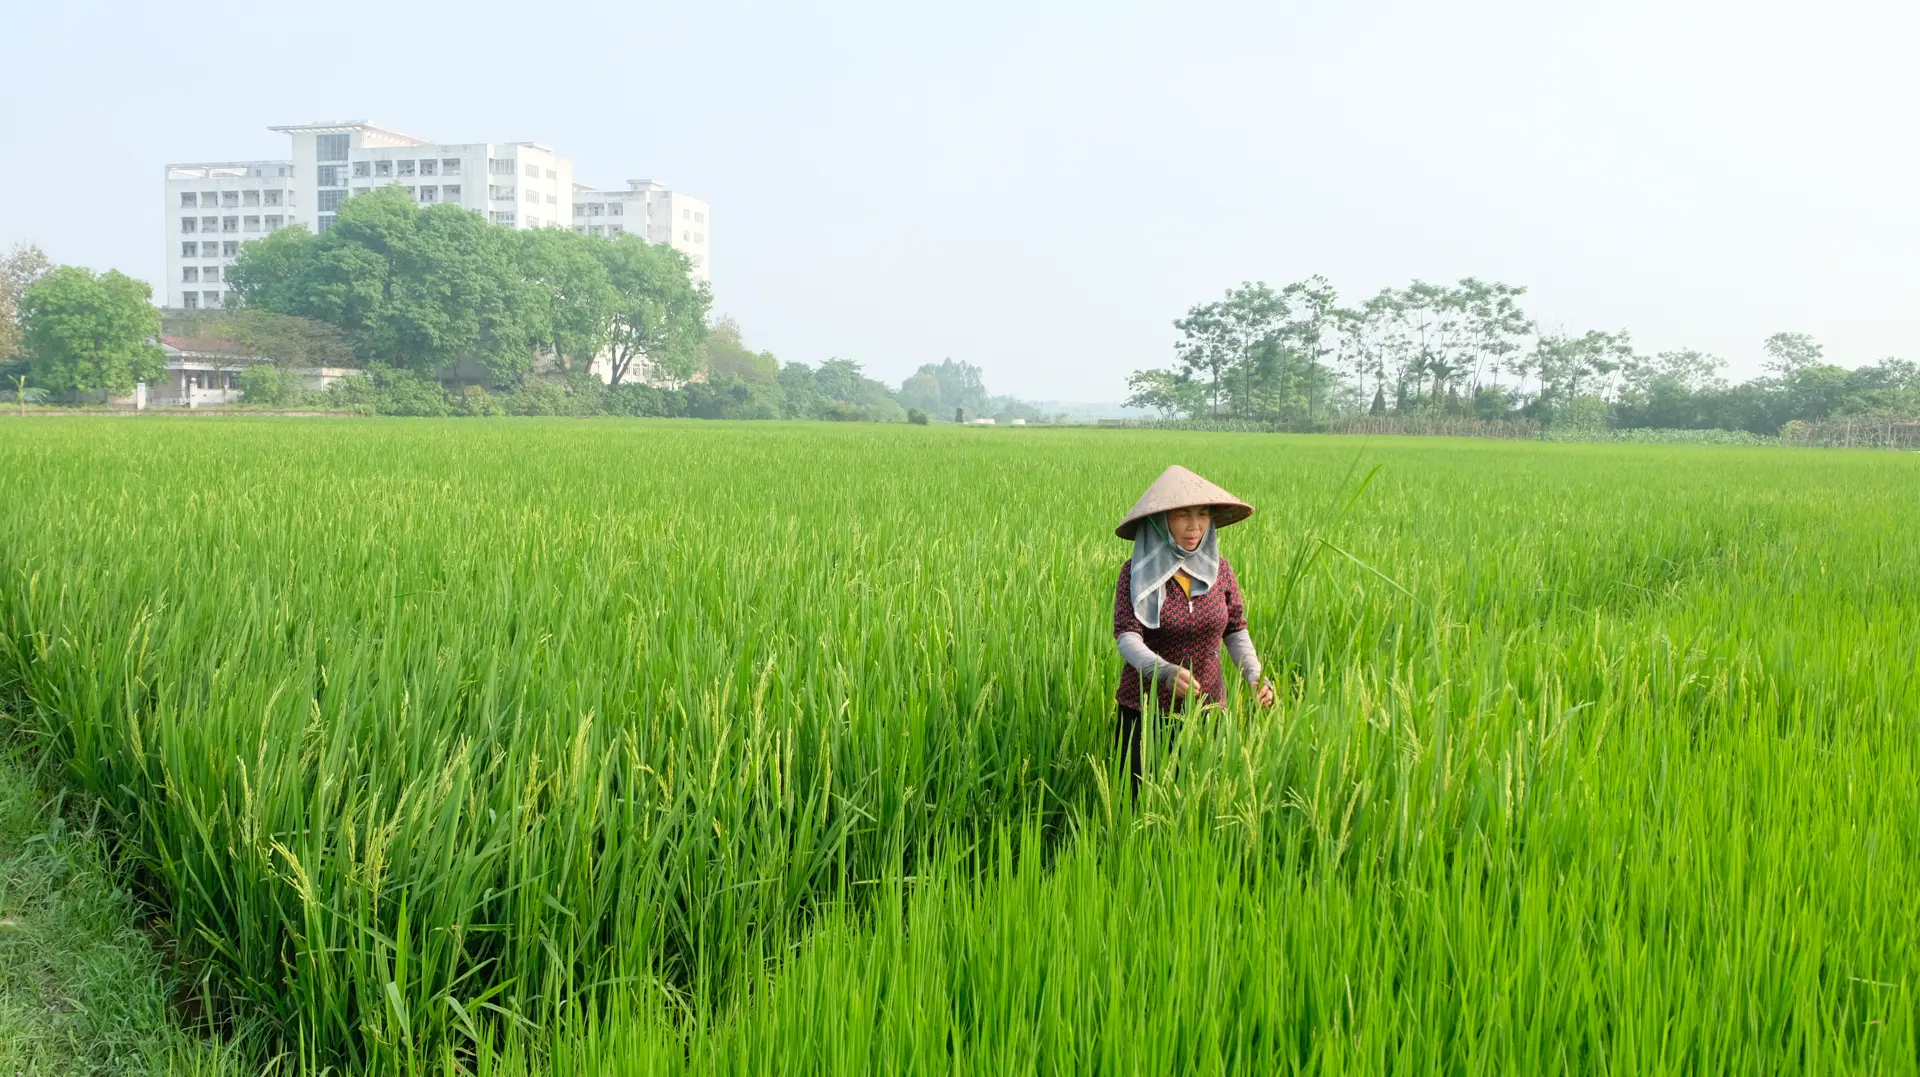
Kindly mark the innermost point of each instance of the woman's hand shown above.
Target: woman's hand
(1185, 685)
(1265, 696)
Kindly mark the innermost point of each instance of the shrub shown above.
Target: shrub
(262, 383)
(916, 417)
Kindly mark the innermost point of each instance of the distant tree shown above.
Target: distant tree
(724, 356)
(916, 417)
(18, 271)
(1791, 352)
(413, 288)
(284, 340)
(262, 383)
(1218, 339)
(86, 333)
(1168, 392)
(962, 384)
(660, 316)
(922, 391)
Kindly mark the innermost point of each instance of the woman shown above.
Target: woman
(1177, 602)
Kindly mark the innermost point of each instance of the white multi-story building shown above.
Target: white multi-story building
(213, 208)
(649, 210)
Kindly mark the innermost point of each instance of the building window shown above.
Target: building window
(579, 209)
(358, 191)
(273, 198)
(332, 176)
(211, 299)
(330, 147)
(686, 237)
(275, 222)
(450, 192)
(450, 166)
(230, 199)
(614, 210)
(429, 194)
(699, 218)
(595, 209)
(429, 167)
(552, 175)
(190, 274)
(685, 213)
(533, 171)
(189, 250)
(209, 199)
(502, 218)
(188, 225)
(249, 224)
(230, 248)
(190, 300)
(326, 222)
(500, 166)
(189, 200)
(229, 224)
(330, 200)
(502, 194)
(212, 273)
(403, 168)
(250, 198)
(596, 230)
(362, 169)
(552, 201)
(580, 228)
(533, 196)
(698, 261)
(532, 221)
(209, 224)
(613, 229)
(699, 237)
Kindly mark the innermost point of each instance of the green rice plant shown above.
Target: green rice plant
(591, 746)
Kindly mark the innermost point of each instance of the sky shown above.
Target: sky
(1042, 188)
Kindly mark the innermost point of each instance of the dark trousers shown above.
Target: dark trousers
(1130, 733)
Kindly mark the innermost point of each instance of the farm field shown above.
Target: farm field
(645, 747)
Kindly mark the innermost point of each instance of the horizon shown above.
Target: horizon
(1701, 175)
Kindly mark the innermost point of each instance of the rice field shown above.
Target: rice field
(651, 747)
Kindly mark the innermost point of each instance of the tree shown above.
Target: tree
(414, 288)
(922, 391)
(725, 356)
(1218, 339)
(87, 333)
(1788, 353)
(660, 313)
(571, 287)
(18, 271)
(284, 340)
(1166, 391)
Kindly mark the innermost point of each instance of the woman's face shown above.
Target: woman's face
(1189, 525)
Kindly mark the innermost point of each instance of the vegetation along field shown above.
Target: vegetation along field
(604, 748)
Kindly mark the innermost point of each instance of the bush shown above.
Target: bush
(262, 384)
(916, 417)
(643, 401)
(476, 401)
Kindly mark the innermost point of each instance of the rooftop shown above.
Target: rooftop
(371, 134)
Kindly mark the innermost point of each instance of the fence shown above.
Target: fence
(1855, 434)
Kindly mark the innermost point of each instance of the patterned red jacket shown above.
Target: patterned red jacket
(1189, 635)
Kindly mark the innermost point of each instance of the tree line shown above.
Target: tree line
(1297, 355)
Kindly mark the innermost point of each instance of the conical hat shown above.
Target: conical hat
(1177, 488)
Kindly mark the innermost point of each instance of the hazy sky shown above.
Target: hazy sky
(1042, 188)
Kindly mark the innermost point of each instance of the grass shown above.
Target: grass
(593, 747)
(82, 989)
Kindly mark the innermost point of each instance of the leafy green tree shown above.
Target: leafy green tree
(724, 356)
(1791, 352)
(660, 313)
(18, 271)
(262, 383)
(572, 290)
(921, 392)
(800, 389)
(1168, 392)
(286, 341)
(1218, 340)
(87, 333)
(413, 288)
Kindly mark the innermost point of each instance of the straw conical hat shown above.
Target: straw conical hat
(1177, 488)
